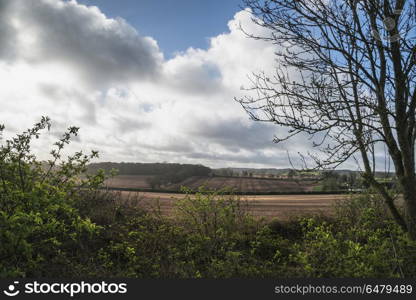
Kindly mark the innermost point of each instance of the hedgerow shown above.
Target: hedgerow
(57, 221)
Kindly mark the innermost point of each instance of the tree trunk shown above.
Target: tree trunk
(409, 196)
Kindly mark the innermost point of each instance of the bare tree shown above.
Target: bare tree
(345, 76)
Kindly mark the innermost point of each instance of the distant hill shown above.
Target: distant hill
(128, 168)
(182, 171)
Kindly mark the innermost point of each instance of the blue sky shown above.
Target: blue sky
(175, 24)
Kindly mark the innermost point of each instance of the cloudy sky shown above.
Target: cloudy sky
(146, 81)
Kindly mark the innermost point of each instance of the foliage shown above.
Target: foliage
(363, 242)
(213, 214)
(211, 236)
(41, 230)
(55, 221)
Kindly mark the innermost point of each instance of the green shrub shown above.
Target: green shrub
(41, 231)
(363, 241)
(215, 214)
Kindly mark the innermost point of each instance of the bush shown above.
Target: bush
(42, 233)
(361, 242)
(211, 235)
(212, 213)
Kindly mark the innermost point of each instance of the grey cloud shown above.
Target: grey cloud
(240, 139)
(50, 90)
(104, 50)
(233, 135)
(175, 146)
(255, 157)
(196, 79)
(7, 32)
(128, 124)
(86, 113)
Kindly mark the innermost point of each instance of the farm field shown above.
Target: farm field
(244, 184)
(282, 207)
(240, 184)
(129, 181)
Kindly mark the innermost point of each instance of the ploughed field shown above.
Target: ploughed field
(129, 181)
(282, 207)
(269, 206)
(240, 184)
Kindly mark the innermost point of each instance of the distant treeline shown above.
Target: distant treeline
(164, 173)
(151, 168)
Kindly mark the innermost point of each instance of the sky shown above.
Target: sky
(175, 24)
(146, 81)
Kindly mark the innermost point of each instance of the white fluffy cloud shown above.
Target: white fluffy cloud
(79, 67)
(81, 39)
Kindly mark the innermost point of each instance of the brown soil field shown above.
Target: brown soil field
(253, 185)
(129, 181)
(282, 207)
(256, 185)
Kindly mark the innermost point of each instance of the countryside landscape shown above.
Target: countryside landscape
(268, 193)
(241, 139)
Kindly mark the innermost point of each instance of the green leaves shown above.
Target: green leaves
(39, 222)
(361, 250)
